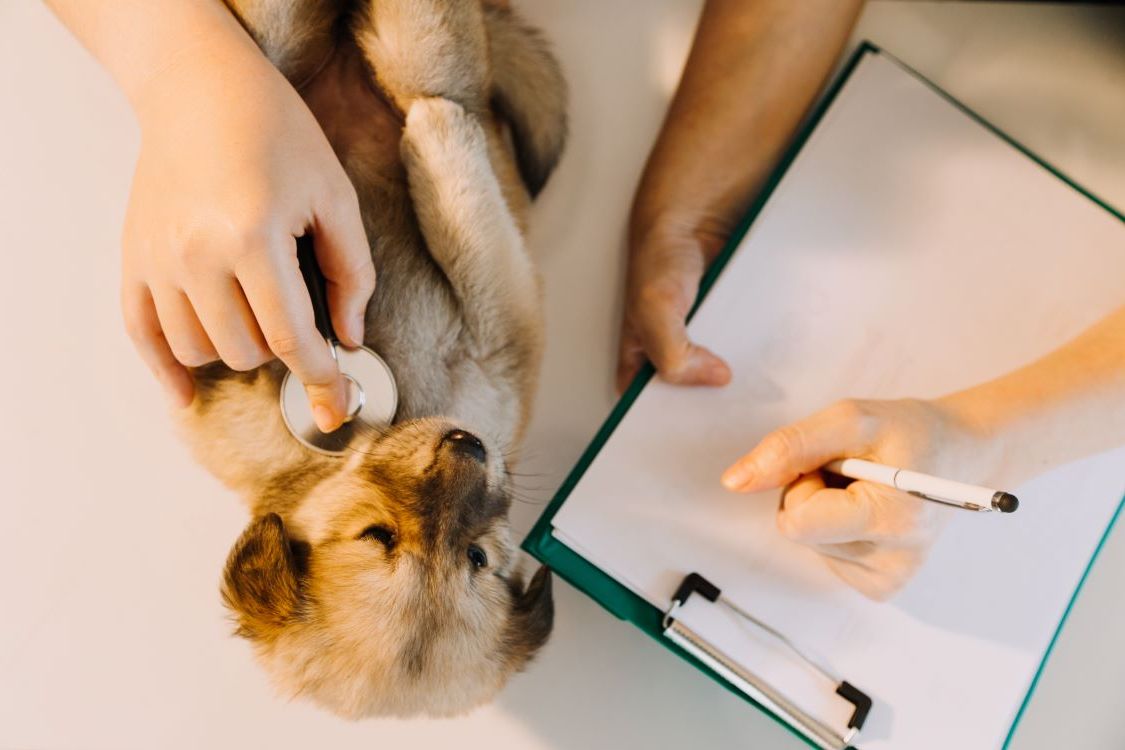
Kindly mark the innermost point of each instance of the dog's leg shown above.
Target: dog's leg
(431, 58)
(235, 429)
(473, 236)
(426, 48)
(476, 57)
(297, 36)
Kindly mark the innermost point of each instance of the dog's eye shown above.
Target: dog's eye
(380, 534)
(477, 556)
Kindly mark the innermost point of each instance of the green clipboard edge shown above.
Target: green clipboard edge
(623, 603)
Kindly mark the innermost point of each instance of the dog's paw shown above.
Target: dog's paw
(433, 113)
(439, 131)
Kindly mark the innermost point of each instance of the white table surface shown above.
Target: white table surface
(111, 630)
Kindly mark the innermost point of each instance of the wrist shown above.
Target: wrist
(990, 437)
(653, 230)
(206, 56)
(213, 79)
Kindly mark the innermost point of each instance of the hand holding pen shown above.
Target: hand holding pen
(874, 532)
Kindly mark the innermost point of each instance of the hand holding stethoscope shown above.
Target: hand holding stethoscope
(372, 394)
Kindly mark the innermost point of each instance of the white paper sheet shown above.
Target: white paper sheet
(907, 251)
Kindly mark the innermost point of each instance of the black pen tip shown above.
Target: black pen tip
(1005, 502)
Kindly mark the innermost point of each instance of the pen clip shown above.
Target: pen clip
(950, 503)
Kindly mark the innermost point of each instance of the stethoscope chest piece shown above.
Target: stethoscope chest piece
(372, 393)
(372, 401)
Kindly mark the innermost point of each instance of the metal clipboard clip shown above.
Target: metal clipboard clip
(814, 729)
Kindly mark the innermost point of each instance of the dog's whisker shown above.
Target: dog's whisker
(526, 501)
(531, 493)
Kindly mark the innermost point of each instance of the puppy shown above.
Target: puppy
(382, 582)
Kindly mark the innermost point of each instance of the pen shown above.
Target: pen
(935, 489)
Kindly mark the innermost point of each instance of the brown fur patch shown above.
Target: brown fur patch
(261, 583)
(533, 616)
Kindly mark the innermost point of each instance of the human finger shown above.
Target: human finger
(229, 322)
(143, 326)
(659, 320)
(630, 359)
(345, 260)
(812, 513)
(277, 295)
(780, 457)
(181, 327)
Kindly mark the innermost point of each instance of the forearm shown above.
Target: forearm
(1068, 404)
(754, 69)
(137, 40)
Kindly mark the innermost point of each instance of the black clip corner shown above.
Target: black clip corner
(694, 583)
(857, 698)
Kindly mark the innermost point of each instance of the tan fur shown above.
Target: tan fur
(297, 36)
(356, 581)
(528, 90)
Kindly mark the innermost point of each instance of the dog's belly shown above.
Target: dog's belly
(411, 314)
(361, 125)
(413, 320)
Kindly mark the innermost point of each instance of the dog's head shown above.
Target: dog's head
(389, 589)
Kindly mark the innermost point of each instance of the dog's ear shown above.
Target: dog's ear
(262, 581)
(529, 91)
(533, 615)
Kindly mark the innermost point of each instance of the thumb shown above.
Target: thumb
(630, 359)
(802, 447)
(662, 332)
(345, 260)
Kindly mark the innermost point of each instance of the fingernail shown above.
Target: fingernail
(735, 477)
(719, 372)
(355, 330)
(178, 389)
(324, 419)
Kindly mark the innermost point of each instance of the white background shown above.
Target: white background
(111, 631)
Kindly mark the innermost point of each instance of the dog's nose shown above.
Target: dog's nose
(465, 442)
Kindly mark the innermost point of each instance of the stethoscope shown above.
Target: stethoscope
(372, 394)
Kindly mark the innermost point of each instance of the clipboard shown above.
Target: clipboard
(696, 589)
